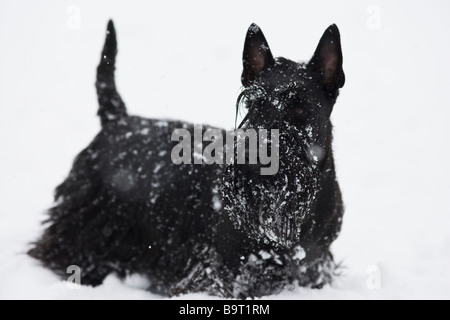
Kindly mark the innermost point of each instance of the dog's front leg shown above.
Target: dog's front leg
(207, 275)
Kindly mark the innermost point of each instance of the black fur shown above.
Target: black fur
(221, 229)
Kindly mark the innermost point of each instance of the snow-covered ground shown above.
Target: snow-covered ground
(182, 59)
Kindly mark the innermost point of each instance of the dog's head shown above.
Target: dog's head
(297, 99)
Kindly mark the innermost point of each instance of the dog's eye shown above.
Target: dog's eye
(299, 112)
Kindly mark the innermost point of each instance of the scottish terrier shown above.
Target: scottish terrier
(223, 229)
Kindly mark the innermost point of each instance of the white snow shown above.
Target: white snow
(265, 255)
(391, 122)
(300, 254)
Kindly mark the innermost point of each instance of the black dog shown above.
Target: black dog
(222, 229)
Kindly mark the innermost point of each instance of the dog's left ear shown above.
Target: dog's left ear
(257, 55)
(327, 61)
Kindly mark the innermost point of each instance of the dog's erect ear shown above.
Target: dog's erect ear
(327, 60)
(257, 55)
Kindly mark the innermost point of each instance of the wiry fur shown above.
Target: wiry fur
(225, 230)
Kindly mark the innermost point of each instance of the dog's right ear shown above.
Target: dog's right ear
(327, 61)
(257, 55)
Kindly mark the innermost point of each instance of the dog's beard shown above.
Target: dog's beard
(271, 209)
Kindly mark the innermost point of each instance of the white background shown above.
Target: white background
(182, 60)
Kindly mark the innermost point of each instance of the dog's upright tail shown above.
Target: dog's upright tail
(112, 108)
